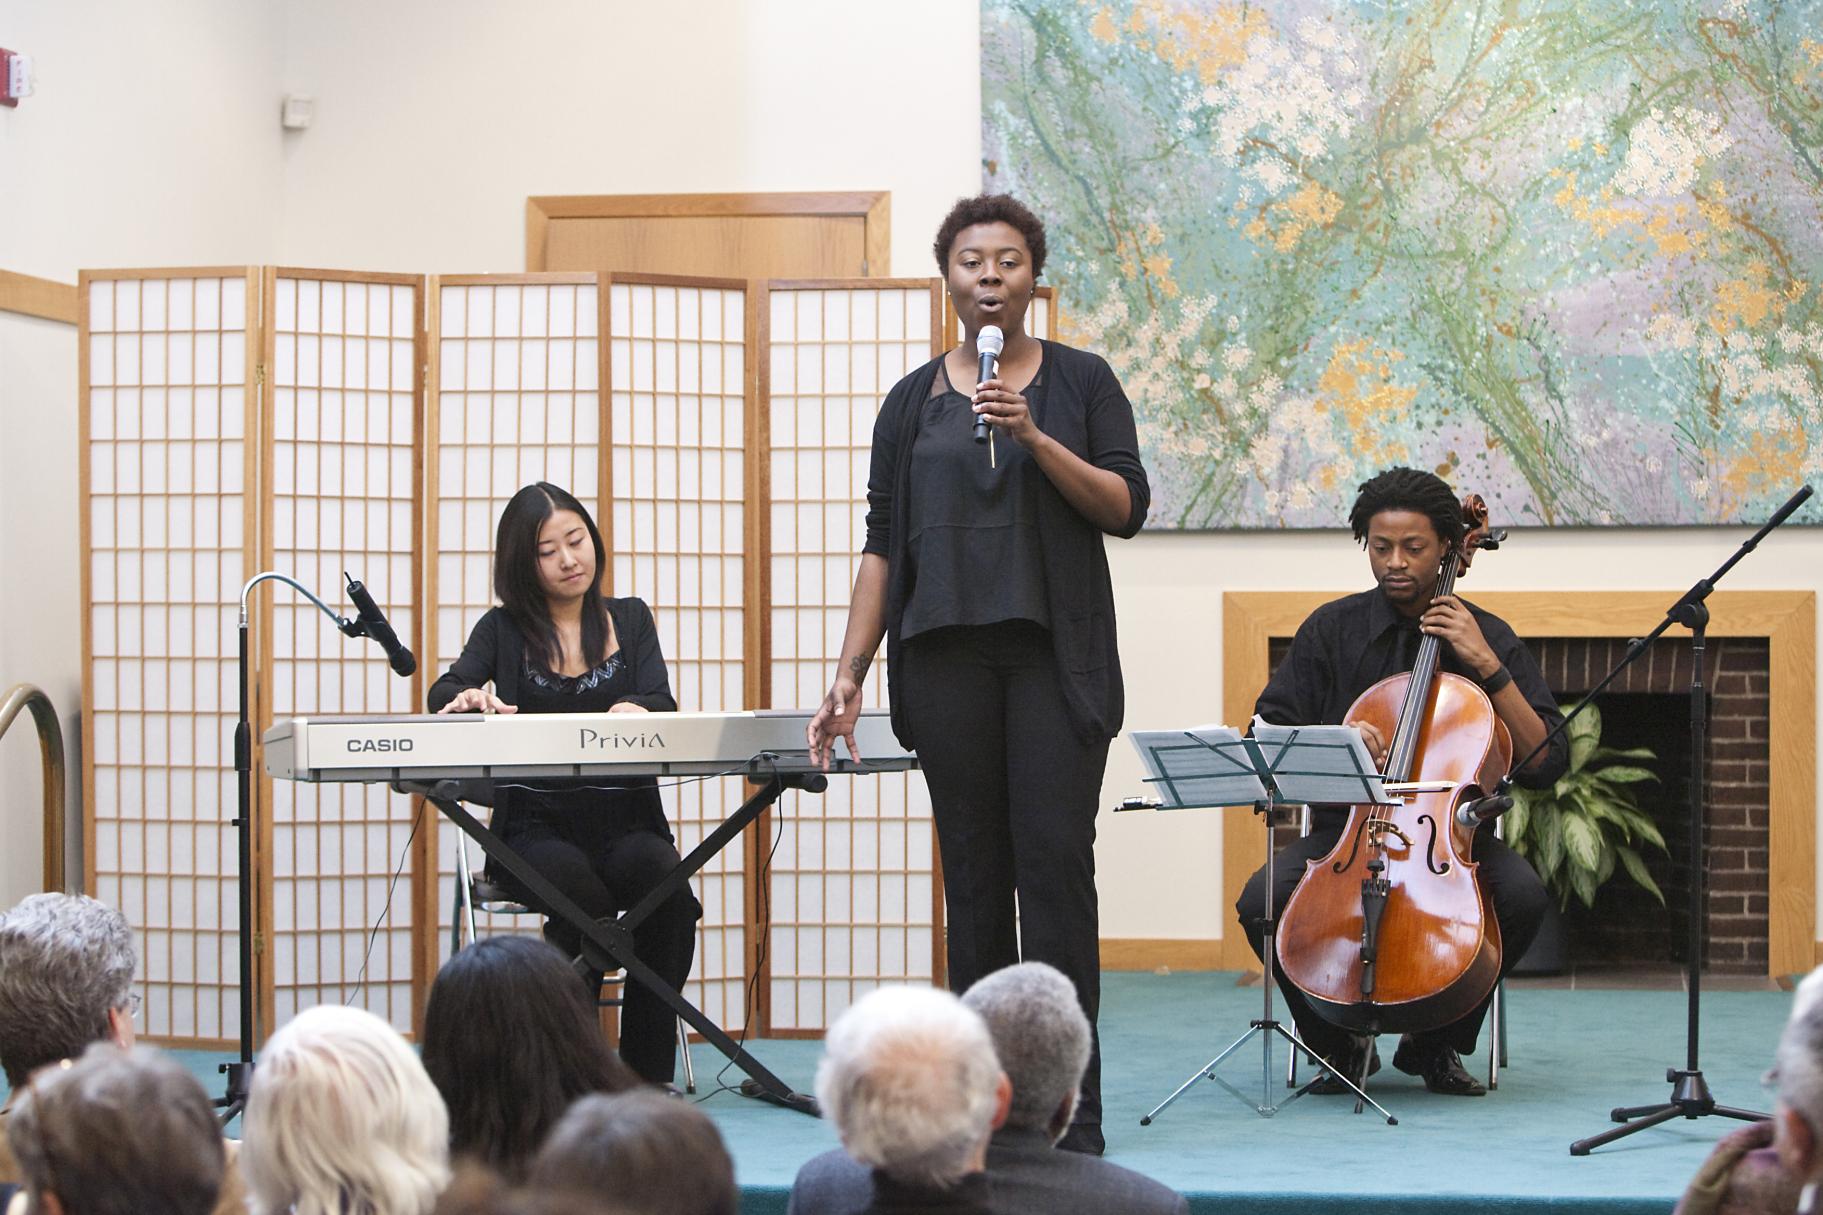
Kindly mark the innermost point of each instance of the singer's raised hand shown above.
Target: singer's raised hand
(835, 718)
(1006, 411)
(477, 700)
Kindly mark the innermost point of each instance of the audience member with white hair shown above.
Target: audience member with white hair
(343, 1120)
(1774, 1166)
(910, 1081)
(1041, 1039)
(117, 1132)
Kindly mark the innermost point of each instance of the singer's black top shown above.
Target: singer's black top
(1348, 645)
(635, 672)
(971, 528)
(1083, 408)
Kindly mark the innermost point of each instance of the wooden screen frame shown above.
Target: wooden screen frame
(45, 298)
(1251, 620)
(250, 440)
(260, 706)
(872, 207)
(761, 439)
(755, 608)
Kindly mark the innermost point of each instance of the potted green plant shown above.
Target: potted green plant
(1584, 828)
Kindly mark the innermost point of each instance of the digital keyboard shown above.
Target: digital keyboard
(473, 746)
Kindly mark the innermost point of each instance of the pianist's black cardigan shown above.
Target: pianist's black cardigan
(496, 652)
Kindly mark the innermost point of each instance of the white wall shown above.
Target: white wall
(435, 120)
(151, 140)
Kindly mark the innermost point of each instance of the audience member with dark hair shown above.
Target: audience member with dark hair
(654, 1154)
(1041, 1038)
(1774, 1167)
(478, 1190)
(342, 1120)
(911, 1084)
(117, 1132)
(511, 1040)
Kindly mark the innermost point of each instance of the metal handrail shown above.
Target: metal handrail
(50, 744)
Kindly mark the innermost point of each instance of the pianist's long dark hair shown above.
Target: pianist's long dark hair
(516, 575)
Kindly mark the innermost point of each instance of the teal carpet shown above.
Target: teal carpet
(1574, 1056)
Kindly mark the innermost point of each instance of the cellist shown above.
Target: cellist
(1407, 520)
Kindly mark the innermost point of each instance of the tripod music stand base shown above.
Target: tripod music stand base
(1265, 1107)
(1690, 1098)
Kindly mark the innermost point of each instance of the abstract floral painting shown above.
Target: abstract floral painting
(1567, 253)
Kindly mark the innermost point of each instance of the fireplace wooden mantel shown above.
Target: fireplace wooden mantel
(1787, 619)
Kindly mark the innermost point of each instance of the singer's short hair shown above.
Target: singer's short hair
(990, 209)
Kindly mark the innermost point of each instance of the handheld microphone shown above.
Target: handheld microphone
(372, 621)
(990, 342)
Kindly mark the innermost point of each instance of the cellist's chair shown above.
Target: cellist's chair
(1497, 1022)
(478, 892)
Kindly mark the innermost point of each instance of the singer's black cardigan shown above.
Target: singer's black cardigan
(1083, 408)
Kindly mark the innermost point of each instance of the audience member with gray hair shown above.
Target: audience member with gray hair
(654, 1154)
(343, 1120)
(910, 1081)
(1774, 1166)
(66, 977)
(117, 1132)
(1041, 1039)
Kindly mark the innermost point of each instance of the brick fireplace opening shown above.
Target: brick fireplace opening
(1761, 804)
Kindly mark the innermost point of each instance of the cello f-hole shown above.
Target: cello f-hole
(1430, 849)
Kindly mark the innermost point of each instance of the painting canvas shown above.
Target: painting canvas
(1567, 253)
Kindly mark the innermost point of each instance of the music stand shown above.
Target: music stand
(1217, 766)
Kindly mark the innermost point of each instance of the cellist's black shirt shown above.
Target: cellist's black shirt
(1349, 644)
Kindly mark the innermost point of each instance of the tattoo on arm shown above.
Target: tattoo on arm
(857, 666)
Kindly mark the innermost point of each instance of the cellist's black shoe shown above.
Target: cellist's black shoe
(1440, 1068)
(1349, 1062)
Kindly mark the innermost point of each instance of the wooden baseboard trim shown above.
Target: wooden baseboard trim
(40, 297)
(1155, 953)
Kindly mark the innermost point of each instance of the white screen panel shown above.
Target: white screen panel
(852, 885)
(166, 412)
(343, 426)
(518, 400)
(679, 369)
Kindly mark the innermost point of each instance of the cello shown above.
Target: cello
(1391, 932)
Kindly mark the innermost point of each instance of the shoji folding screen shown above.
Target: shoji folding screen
(854, 895)
(168, 398)
(316, 422)
(340, 449)
(515, 376)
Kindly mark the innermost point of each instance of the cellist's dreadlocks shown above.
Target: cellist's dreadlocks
(1408, 489)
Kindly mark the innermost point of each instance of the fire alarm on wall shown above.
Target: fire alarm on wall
(15, 77)
(297, 112)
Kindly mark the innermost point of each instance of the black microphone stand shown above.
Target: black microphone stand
(233, 1102)
(1690, 1095)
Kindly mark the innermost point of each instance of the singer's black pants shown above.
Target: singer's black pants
(1014, 794)
(604, 872)
(1518, 896)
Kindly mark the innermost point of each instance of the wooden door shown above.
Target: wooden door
(743, 236)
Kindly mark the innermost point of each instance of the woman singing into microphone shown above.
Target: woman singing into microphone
(988, 580)
(556, 645)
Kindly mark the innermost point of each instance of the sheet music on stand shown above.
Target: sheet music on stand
(1218, 766)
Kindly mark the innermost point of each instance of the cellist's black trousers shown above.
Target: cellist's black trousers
(1518, 896)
